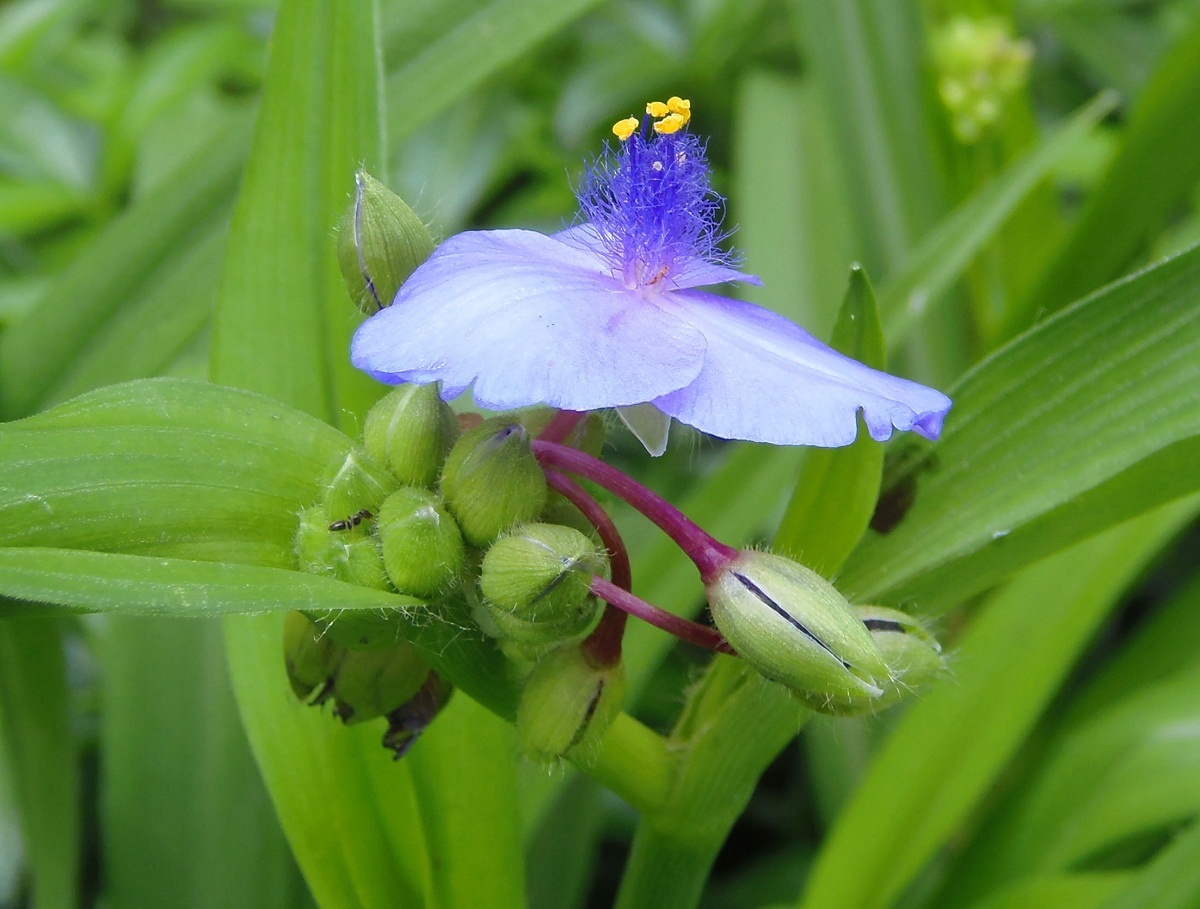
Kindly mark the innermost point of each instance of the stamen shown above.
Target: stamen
(623, 129)
(681, 106)
(671, 123)
(657, 109)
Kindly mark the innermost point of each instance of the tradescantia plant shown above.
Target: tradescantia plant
(424, 611)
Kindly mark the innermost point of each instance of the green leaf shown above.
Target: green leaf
(942, 757)
(182, 802)
(1171, 881)
(835, 494)
(1153, 172)
(1087, 420)
(465, 784)
(1058, 891)
(946, 250)
(494, 36)
(35, 704)
(165, 466)
(121, 269)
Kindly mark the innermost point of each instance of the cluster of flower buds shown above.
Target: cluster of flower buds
(980, 66)
(425, 509)
(482, 516)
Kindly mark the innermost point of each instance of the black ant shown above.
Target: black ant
(353, 521)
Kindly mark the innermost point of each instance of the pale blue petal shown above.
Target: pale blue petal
(767, 380)
(690, 273)
(528, 319)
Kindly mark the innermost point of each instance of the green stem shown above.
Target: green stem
(634, 762)
(734, 725)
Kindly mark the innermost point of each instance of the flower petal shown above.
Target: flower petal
(690, 273)
(528, 320)
(767, 380)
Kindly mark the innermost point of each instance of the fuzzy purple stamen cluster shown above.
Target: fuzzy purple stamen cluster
(653, 207)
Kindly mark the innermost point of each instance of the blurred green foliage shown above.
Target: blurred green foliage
(171, 172)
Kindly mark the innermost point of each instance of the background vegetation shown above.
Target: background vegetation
(170, 175)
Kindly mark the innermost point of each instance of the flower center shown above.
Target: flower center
(650, 200)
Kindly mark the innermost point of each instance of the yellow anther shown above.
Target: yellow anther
(623, 129)
(657, 109)
(671, 123)
(681, 106)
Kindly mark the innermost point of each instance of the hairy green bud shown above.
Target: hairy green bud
(791, 625)
(567, 705)
(423, 551)
(913, 656)
(541, 571)
(381, 242)
(345, 553)
(309, 654)
(491, 481)
(410, 430)
(356, 484)
(374, 682)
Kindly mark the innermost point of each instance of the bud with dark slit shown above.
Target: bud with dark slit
(381, 242)
(348, 556)
(357, 483)
(410, 719)
(374, 682)
(410, 430)
(535, 582)
(913, 656)
(491, 481)
(423, 551)
(791, 625)
(567, 705)
(310, 656)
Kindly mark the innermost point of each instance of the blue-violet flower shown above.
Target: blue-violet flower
(606, 314)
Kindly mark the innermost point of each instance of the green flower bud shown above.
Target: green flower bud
(791, 625)
(541, 572)
(381, 241)
(357, 483)
(310, 656)
(410, 431)
(371, 683)
(980, 67)
(411, 718)
(347, 556)
(913, 656)
(491, 481)
(423, 551)
(567, 705)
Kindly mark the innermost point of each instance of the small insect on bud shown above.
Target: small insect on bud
(567, 705)
(410, 430)
(381, 241)
(791, 625)
(535, 582)
(913, 656)
(311, 657)
(374, 682)
(356, 483)
(324, 547)
(423, 550)
(491, 481)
